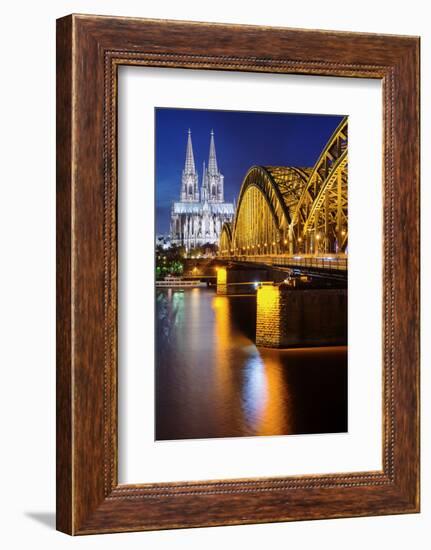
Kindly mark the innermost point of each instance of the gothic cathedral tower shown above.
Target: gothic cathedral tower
(189, 179)
(197, 219)
(212, 180)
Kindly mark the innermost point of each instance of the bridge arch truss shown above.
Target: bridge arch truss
(291, 210)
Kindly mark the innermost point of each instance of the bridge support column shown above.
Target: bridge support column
(288, 317)
(222, 280)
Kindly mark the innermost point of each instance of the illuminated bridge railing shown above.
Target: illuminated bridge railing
(327, 262)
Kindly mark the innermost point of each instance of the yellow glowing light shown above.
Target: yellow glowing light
(300, 239)
(267, 301)
(285, 241)
(274, 416)
(221, 276)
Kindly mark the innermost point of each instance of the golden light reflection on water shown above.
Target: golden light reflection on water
(212, 380)
(223, 379)
(275, 417)
(256, 380)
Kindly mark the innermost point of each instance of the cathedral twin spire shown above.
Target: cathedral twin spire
(212, 180)
(189, 180)
(189, 167)
(212, 162)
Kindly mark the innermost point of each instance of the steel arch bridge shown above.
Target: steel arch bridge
(287, 210)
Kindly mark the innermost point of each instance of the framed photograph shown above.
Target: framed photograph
(237, 274)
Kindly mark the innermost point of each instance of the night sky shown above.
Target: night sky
(242, 139)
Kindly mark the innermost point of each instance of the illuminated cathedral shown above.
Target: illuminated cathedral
(197, 218)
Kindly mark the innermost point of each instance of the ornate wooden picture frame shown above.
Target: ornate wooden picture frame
(89, 51)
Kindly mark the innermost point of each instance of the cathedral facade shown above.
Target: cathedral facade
(197, 218)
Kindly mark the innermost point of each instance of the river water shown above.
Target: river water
(212, 381)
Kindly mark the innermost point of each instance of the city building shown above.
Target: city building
(197, 218)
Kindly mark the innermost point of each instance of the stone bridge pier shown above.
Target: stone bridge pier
(299, 317)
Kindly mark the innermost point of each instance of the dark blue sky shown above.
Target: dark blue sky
(242, 140)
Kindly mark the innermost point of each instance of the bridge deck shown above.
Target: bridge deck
(329, 262)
